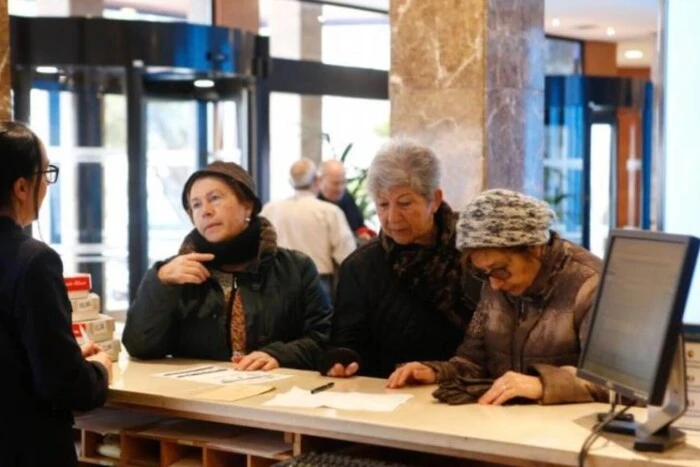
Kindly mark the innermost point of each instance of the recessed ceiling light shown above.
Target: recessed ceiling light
(633, 54)
(47, 70)
(610, 31)
(203, 83)
(556, 22)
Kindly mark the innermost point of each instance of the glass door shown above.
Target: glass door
(85, 216)
(597, 156)
(188, 126)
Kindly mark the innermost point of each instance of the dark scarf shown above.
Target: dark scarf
(434, 273)
(257, 240)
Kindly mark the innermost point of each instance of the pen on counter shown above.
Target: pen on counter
(323, 387)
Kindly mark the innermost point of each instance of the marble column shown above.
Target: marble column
(70, 7)
(467, 79)
(5, 75)
(311, 47)
(239, 14)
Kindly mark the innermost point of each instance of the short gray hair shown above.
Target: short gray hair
(302, 173)
(403, 162)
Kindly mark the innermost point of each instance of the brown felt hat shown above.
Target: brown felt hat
(231, 173)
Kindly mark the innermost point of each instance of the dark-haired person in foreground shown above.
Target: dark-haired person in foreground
(46, 375)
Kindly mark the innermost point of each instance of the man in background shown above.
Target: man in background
(332, 189)
(307, 224)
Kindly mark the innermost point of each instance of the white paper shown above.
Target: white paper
(216, 375)
(302, 398)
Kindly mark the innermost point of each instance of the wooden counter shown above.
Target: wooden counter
(511, 435)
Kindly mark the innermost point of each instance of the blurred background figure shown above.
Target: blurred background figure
(332, 188)
(307, 224)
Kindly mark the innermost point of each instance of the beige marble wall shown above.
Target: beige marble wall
(241, 14)
(467, 78)
(311, 106)
(5, 76)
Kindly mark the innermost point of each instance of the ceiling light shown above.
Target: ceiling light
(320, 19)
(556, 22)
(128, 11)
(47, 70)
(203, 83)
(633, 54)
(610, 31)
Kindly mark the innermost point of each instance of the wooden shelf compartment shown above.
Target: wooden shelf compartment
(221, 437)
(215, 458)
(139, 451)
(180, 455)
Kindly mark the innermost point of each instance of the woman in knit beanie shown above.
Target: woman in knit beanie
(524, 341)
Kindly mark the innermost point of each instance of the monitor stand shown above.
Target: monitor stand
(656, 434)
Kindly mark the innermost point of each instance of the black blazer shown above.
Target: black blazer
(45, 376)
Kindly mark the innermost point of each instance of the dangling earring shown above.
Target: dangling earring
(247, 219)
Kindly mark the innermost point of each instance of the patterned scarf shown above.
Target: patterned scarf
(434, 273)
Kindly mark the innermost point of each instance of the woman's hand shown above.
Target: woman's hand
(185, 269)
(104, 360)
(90, 349)
(510, 385)
(340, 371)
(411, 373)
(255, 361)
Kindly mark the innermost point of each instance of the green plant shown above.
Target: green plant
(555, 178)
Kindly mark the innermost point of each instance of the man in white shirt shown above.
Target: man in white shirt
(307, 224)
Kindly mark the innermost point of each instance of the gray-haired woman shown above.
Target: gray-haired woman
(526, 335)
(405, 295)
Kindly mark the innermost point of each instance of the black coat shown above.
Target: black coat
(45, 376)
(288, 315)
(349, 207)
(383, 321)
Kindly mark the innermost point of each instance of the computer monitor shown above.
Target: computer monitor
(636, 322)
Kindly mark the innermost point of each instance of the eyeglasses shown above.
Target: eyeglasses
(501, 273)
(51, 174)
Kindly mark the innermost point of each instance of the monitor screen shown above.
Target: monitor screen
(638, 311)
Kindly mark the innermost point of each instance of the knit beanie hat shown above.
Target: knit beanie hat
(503, 218)
(231, 173)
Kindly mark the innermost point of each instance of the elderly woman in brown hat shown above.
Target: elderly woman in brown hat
(230, 293)
(525, 338)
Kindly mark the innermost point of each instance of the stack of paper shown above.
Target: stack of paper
(214, 374)
(297, 397)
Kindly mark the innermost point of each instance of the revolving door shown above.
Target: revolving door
(128, 110)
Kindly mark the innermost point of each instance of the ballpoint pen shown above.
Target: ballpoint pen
(323, 387)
